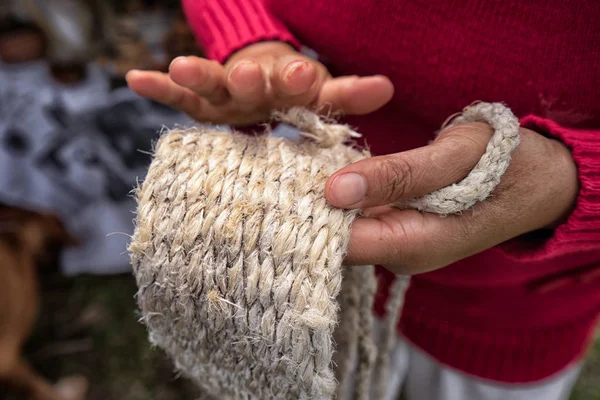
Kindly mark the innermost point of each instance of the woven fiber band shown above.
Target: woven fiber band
(238, 258)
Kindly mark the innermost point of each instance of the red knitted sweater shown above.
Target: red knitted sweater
(524, 310)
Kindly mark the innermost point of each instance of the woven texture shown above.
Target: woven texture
(238, 260)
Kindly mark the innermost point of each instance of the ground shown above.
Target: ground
(588, 387)
(89, 326)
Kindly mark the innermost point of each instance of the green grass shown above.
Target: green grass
(588, 387)
(89, 326)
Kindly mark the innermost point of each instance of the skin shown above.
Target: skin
(538, 190)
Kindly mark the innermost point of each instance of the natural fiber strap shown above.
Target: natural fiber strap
(238, 259)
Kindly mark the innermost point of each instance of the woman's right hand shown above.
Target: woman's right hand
(256, 80)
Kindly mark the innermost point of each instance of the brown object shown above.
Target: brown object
(26, 239)
(21, 41)
(69, 73)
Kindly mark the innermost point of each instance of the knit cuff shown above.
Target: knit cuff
(581, 231)
(224, 26)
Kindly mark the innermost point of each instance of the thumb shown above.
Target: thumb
(396, 177)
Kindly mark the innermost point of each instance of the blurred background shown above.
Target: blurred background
(74, 140)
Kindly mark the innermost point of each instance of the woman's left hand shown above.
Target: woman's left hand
(538, 190)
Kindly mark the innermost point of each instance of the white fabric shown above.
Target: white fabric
(26, 74)
(420, 377)
(77, 150)
(87, 95)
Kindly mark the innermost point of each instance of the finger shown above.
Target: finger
(409, 242)
(392, 178)
(159, 87)
(383, 240)
(247, 84)
(374, 212)
(294, 80)
(353, 95)
(204, 77)
(149, 84)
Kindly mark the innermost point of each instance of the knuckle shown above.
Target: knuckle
(462, 143)
(177, 99)
(462, 148)
(395, 178)
(474, 132)
(472, 137)
(401, 256)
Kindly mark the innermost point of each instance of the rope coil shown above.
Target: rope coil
(484, 178)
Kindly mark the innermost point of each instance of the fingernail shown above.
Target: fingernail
(294, 68)
(241, 75)
(348, 189)
(177, 59)
(131, 71)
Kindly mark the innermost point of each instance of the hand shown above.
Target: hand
(253, 82)
(538, 190)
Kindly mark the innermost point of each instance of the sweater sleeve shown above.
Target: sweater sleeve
(225, 26)
(581, 231)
